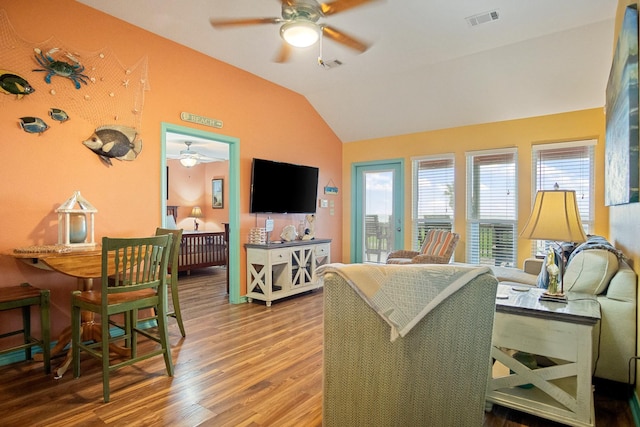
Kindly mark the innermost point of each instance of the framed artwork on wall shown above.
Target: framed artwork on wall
(217, 194)
(621, 147)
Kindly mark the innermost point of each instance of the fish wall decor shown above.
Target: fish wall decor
(33, 125)
(58, 115)
(13, 84)
(114, 142)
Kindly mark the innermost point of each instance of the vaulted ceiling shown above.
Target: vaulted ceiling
(427, 67)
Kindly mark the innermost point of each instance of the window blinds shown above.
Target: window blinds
(571, 166)
(492, 201)
(434, 194)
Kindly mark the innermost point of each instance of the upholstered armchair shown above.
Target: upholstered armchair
(434, 375)
(437, 248)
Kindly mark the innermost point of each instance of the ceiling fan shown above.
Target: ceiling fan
(189, 158)
(300, 27)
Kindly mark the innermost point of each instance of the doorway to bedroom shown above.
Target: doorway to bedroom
(208, 196)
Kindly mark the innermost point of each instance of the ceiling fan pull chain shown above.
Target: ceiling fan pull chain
(320, 61)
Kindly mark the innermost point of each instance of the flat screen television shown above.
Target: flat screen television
(278, 187)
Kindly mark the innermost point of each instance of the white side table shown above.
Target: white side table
(561, 333)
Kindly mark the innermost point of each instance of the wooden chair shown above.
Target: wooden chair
(372, 236)
(174, 253)
(437, 248)
(25, 296)
(134, 276)
(172, 278)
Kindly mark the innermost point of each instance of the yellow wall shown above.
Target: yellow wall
(588, 124)
(40, 172)
(619, 224)
(624, 227)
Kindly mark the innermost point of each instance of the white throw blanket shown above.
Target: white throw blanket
(403, 294)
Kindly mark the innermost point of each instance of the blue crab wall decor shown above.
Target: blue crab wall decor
(72, 71)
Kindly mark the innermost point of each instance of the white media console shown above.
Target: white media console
(278, 270)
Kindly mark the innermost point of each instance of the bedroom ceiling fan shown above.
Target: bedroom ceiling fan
(300, 26)
(188, 158)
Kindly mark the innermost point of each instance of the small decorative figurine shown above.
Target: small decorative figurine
(553, 271)
(302, 228)
(289, 233)
(310, 232)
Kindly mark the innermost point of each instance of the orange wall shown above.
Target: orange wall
(588, 124)
(40, 172)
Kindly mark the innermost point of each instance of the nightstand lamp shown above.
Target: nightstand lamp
(555, 217)
(76, 222)
(196, 213)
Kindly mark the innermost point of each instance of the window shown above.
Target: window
(570, 165)
(492, 212)
(433, 200)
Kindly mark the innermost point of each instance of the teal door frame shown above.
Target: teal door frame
(357, 198)
(233, 200)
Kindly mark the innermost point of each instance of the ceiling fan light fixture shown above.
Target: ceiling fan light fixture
(300, 33)
(188, 162)
(188, 158)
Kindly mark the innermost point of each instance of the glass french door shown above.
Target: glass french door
(377, 221)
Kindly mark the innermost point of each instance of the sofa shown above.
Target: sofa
(377, 372)
(604, 273)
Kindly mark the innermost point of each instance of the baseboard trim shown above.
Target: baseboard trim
(18, 355)
(635, 408)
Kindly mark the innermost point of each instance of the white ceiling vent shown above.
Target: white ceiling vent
(482, 18)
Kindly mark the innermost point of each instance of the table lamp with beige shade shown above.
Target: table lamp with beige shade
(555, 216)
(196, 213)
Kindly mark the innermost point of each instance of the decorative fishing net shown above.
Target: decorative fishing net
(113, 93)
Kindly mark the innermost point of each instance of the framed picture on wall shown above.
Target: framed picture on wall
(621, 148)
(217, 194)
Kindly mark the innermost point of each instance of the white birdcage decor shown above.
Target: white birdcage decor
(76, 222)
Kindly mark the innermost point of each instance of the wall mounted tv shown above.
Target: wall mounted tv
(278, 187)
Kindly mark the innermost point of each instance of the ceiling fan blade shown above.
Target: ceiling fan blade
(341, 5)
(219, 23)
(344, 39)
(284, 54)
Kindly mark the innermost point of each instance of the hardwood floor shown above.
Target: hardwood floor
(240, 365)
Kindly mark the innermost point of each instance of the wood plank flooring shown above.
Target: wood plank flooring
(240, 365)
